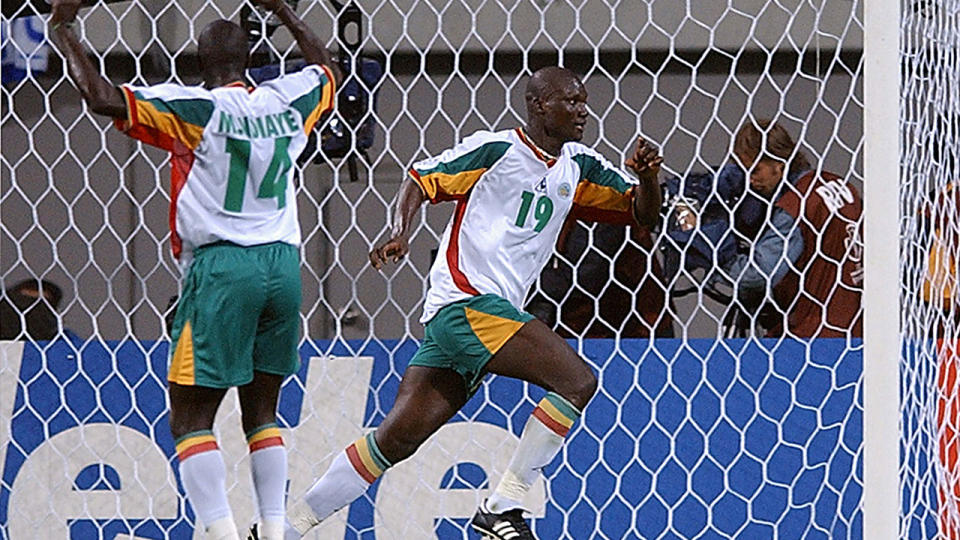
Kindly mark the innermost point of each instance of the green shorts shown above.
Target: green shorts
(239, 312)
(464, 335)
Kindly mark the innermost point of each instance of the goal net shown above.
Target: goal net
(929, 172)
(716, 416)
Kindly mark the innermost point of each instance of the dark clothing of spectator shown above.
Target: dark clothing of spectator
(37, 302)
(580, 295)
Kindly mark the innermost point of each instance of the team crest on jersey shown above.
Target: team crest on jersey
(564, 190)
(541, 186)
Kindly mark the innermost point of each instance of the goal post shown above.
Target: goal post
(881, 334)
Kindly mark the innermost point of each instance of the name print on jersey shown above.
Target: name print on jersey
(254, 127)
(835, 195)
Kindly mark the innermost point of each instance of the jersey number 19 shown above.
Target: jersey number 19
(542, 212)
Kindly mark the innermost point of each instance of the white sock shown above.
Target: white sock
(349, 476)
(542, 438)
(203, 475)
(222, 529)
(268, 466)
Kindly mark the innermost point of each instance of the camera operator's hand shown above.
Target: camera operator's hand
(685, 215)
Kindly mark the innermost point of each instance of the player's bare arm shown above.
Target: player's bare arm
(100, 94)
(405, 207)
(313, 49)
(645, 162)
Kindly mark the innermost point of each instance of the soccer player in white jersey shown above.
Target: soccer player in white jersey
(513, 191)
(234, 225)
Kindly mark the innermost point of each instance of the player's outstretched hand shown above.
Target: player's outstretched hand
(395, 248)
(645, 160)
(63, 11)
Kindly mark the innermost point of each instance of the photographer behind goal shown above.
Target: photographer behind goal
(785, 236)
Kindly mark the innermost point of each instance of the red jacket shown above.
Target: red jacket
(821, 294)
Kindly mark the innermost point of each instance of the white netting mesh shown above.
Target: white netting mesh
(691, 437)
(930, 170)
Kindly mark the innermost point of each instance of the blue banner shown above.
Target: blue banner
(684, 439)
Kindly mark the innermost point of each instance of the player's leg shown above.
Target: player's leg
(274, 358)
(213, 332)
(268, 455)
(202, 470)
(426, 399)
(538, 355)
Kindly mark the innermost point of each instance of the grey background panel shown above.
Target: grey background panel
(86, 207)
(419, 25)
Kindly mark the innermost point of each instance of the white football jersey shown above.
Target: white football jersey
(233, 151)
(512, 200)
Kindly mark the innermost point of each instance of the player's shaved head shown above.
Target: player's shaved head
(222, 48)
(548, 80)
(556, 107)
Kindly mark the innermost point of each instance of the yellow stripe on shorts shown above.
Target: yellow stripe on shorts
(182, 367)
(491, 330)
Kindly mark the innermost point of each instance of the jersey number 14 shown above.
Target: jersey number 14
(274, 183)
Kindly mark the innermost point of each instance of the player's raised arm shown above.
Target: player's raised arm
(100, 94)
(645, 162)
(405, 206)
(313, 49)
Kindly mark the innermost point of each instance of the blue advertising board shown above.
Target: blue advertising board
(684, 439)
